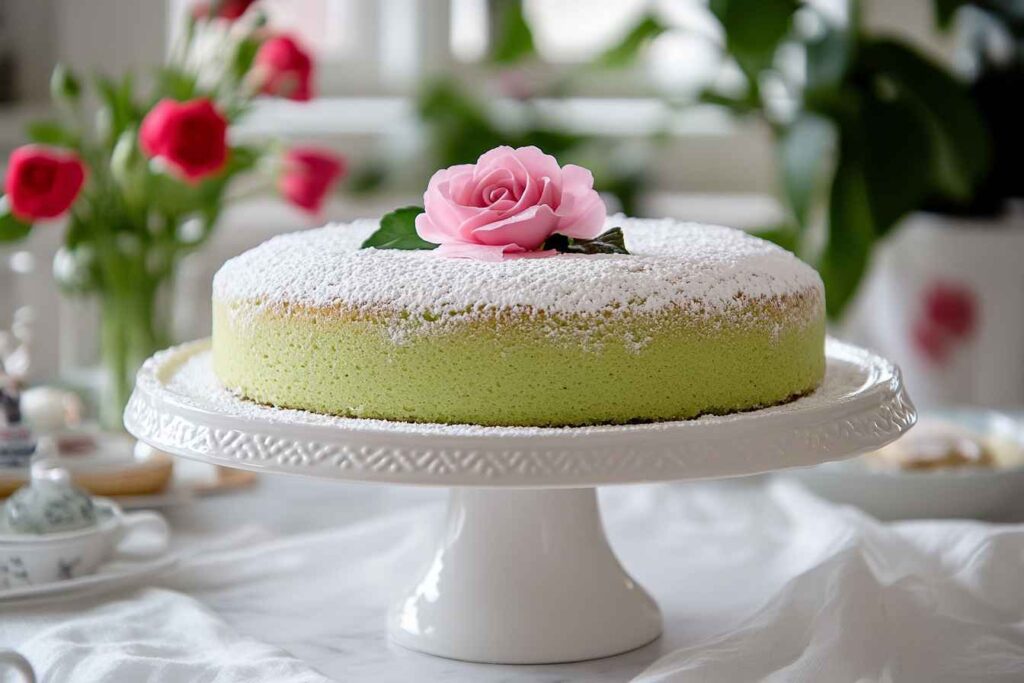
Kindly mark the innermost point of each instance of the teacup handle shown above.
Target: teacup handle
(136, 522)
(12, 661)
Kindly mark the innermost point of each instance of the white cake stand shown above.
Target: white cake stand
(522, 572)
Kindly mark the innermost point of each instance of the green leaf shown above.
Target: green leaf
(119, 110)
(897, 155)
(828, 61)
(737, 105)
(611, 241)
(64, 85)
(632, 44)
(12, 229)
(398, 231)
(945, 11)
(176, 84)
(805, 155)
(959, 138)
(754, 29)
(786, 236)
(460, 129)
(51, 133)
(514, 40)
(851, 235)
(244, 57)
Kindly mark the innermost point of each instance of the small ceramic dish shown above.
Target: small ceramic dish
(30, 558)
(993, 492)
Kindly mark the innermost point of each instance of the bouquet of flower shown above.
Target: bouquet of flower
(145, 178)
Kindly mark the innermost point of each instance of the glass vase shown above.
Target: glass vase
(107, 334)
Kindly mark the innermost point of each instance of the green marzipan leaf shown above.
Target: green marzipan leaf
(398, 231)
(609, 242)
(12, 229)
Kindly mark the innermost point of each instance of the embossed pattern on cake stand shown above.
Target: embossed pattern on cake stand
(522, 572)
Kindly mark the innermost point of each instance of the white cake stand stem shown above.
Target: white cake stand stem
(524, 577)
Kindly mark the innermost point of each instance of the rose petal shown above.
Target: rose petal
(429, 231)
(528, 229)
(582, 213)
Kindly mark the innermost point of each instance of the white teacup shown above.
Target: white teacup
(33, 559)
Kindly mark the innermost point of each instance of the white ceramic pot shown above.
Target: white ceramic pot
(944, 300)
(33, 559)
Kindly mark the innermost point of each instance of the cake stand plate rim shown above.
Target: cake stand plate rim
(862, 405)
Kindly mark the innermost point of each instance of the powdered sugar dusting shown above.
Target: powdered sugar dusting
(671, 264)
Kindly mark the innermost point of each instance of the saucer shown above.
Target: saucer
(993, 493)
(111, 575)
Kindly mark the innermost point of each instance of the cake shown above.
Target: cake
(694, 320)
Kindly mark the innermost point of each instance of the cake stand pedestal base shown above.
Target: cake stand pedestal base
(524, 577)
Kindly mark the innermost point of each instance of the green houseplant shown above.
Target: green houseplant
(866, 128)
(875, 127)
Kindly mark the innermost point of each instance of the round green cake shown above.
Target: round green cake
(695, 320)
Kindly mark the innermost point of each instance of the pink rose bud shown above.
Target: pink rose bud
(284, 69)
(308, 177)
(507, 204)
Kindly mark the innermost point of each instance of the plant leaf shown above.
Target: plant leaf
(897, 153)
(51, 133)
(11, 229)
(514, 41)
(828, 61)
(851, 234)
(611, 241)
(632, 44)
(786, 236)
(176, 84)
(959, 138)
(945, 10)
(804, 152)
(64, 85)
(244, 57)
(753, 29)
(398, 231)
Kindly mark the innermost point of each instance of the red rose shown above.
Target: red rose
(190, 136)
(284, 69)
(226, 9)
(308, 176)
(42, 183)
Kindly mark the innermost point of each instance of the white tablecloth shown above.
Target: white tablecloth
(757, 581)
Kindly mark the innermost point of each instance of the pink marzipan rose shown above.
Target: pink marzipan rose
(507, 204)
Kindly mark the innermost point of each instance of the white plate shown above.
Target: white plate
(110, 575)
(961, 493)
